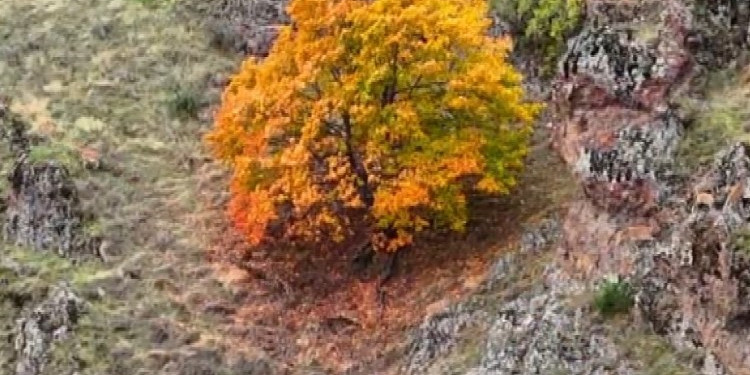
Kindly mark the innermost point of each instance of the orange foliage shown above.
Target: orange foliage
(381, 112)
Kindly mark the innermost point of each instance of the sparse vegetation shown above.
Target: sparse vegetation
(613, 297)
(185, 102)
(654, 353)
(719, 119)
(115, 100)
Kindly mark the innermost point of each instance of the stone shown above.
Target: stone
(42, 209)
(248, 26)
(727, 21)
(39, 328)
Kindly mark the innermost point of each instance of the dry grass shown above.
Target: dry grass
(97, 76)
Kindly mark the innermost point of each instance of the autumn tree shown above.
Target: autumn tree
(374, 114)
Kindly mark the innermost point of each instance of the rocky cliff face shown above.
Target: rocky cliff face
(667, 233)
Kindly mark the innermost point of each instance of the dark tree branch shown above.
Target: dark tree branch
(364, 189)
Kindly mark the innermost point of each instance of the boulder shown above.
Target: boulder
(727, 21)
(49, 322)
(248, 26)
(42, 207)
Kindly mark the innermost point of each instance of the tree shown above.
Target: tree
(376, 114)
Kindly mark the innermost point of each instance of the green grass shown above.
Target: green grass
(654, 354)
(56, 152)
(718, 120)
(184, 102)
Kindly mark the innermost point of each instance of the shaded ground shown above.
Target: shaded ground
(315, 306)
(128, 85)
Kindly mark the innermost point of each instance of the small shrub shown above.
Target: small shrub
(614, 297)
(184, 102)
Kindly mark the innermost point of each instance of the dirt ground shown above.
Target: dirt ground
(132, 84)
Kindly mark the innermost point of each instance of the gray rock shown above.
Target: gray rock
(639, 152)
(538, 334)
(438, 335)
(727, 21)
(612, 59)
(248, 26)
(542, 235)
(51, 321)
(42, 207)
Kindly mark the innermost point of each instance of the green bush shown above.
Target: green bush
(185, 102)
(613, 297)
(542, 26)
(741, 242)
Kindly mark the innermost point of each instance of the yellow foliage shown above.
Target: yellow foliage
(380, 112)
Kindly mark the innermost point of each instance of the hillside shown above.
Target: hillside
(623, 249)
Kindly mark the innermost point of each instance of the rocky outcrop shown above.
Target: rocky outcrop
(727, 21)
(248, 26)
(532, 327)
(42, 207)
(51, 321)
(612, 61)
(695, 286)
(539, 333)
(43, 210)
(669, 235)
(642, 221)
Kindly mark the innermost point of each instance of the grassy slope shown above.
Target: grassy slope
(103, 74)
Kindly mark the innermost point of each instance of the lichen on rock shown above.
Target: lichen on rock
(49, 322)
(42, 207)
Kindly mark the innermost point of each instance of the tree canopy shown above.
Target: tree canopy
(379, 114)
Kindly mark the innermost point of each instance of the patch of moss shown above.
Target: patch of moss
(719, 119)
(36, 270)
(154, 3)
(740, 242)
(56, 152)
(656, 355)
